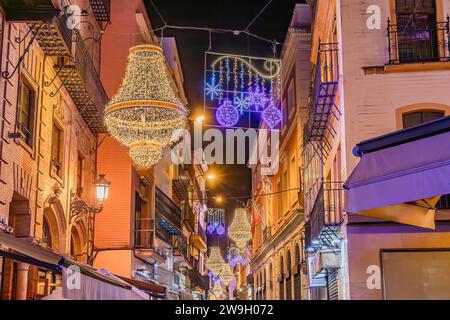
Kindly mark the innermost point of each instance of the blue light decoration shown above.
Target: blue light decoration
(215, 220)
(227, 114)
(242, 91)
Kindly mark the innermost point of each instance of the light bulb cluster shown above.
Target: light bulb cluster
(215, 262)
(146, 111)
(240, 230)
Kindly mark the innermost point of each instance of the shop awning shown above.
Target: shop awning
(152, 289)
(404, 181)
(30, 251)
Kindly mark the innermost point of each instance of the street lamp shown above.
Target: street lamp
(102, 188)
(200, 118)
(79, 207)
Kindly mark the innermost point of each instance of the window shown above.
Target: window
(46, 234)
(80, 169)
(293, 183)
(284, 186)
(57, 150)
(279, 205)
(417, 30)
(26, 112)
(291, 99)
(419, 117)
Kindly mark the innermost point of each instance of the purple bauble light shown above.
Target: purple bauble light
(211, 229)
(220, 230)
(227, 115)
(272, 116)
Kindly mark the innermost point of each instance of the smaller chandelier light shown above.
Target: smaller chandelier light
(240, 230)
(215, 262)
(146, 111)
(227, 275)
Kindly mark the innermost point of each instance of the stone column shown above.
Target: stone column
(22, 280)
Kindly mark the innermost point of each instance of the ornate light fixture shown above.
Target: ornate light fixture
(79, 207)
(227, 275)
(215, 262)
(146, 111)
(240, 230)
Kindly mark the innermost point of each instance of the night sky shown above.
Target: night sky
(221, 14)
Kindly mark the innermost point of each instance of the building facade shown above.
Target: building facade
(378, 69)
(278, 215)
(52, 102)
(155, 232)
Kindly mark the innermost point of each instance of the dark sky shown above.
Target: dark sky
(221, 14)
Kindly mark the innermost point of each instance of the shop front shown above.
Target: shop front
(398, 230)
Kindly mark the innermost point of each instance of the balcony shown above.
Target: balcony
(144, 231)
(419, 43)
(144, 241)
(101, 9)
(199, 237)
(322, 102)
(29, 10)
(83, 84)
(198, 281)
(325, 218)
(180, 248)
(54, 38)
(180, 184)
(188, 217)
(444, 203)
(168, 218)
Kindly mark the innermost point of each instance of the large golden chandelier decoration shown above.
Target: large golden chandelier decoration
(147, 110)
(240, 230)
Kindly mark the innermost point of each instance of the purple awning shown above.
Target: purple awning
(404, 173)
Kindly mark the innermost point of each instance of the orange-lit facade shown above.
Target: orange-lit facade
(278, 214)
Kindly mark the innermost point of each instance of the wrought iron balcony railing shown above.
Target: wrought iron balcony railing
(322, 101)
(201, 232)
(29, 10)
(101, 9)
(419, 43)
(168, 216)
(82, 82)
(144, 233)
(326, 216)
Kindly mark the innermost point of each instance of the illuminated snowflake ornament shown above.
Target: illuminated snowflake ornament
(242, 103)
(227, 115)
(213, 90)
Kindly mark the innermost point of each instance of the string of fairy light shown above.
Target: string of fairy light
(146, 111)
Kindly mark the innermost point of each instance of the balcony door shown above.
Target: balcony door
(417, 30)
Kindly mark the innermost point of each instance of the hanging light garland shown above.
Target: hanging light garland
(146, 111)
(240, 230)
(227, 275)
(215, 262)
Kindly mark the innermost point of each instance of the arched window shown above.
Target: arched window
(412, 119)
(289, 277)
(297, 276)
(46, 233)
(281, 278)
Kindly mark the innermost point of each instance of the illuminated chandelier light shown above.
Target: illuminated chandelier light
(215, 262)
(227, 275)
(240, 230)
(146, 110)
